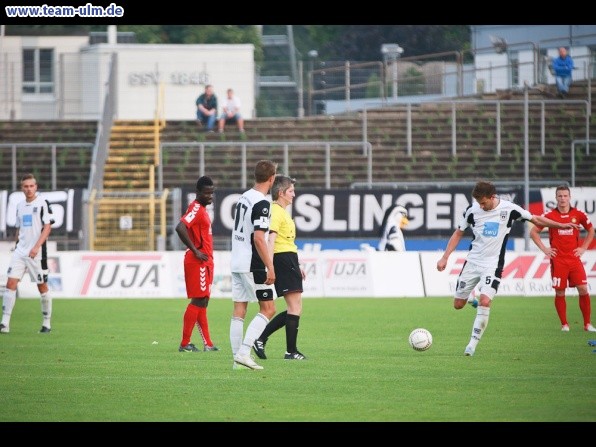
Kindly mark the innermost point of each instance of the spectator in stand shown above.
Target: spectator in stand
(565, 251)
(207, 108)
(231, 112)
(563, 69)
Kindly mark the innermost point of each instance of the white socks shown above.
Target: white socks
(236, 334)
(8, 301)
(46, 309)
(253, 331)
(480, 324)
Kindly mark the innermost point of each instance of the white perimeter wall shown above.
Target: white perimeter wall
(330, 273)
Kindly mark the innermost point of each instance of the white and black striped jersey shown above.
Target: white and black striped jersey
(31, 218)
(490, 231)
(252, 213)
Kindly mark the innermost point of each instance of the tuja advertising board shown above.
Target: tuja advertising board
(329, 274)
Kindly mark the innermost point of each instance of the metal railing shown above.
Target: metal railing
(440, 74)
(39, 151)
(142, 226)
(283, 146)
(159, 121)
(574, 145)
(100, 151)
(446, 184)
(317, 83)
(497, 104)
(358, 79)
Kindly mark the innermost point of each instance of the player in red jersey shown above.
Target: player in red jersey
(194, 230)
(565, 251)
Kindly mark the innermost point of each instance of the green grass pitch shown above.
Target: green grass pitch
(117, 360)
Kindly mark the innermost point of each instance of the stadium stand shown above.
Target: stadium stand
(34, 140)
(432, 157)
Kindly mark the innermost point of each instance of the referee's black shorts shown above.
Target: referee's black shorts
(287, 273)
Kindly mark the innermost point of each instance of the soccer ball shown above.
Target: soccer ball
(420, 339)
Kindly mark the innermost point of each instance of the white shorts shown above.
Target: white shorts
(470, 276)
(19, 265)
(245, 290)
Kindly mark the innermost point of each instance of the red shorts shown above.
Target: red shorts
(567, 272)
(198, 276)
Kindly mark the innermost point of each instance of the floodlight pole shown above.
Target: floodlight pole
(312, 55)
(391, 52)
(526, 164)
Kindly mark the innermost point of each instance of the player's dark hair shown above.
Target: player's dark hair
(204, 181)
(28, 176)
(483, 189)
(562, 188)
(264, 170)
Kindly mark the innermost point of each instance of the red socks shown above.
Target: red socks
(561, 306)
(203, 325)
(584, 305)
(190, 318)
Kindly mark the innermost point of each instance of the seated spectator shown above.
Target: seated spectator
(563, 69)
(231, 112)
(207, 108)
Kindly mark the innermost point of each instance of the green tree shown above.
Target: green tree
(363, 42)
(333, 42)
(372, 88)
(412, 83)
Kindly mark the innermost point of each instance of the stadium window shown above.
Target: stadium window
(38, 70)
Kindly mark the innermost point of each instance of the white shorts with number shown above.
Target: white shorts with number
(245, 290)
(19, 265)
(471, 275)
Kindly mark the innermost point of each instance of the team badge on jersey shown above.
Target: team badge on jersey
(503, 215)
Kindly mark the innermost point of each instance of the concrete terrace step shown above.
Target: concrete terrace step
(119, 128)
(124, 174)
(126, 185)
(128, 167)
(386, 131)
